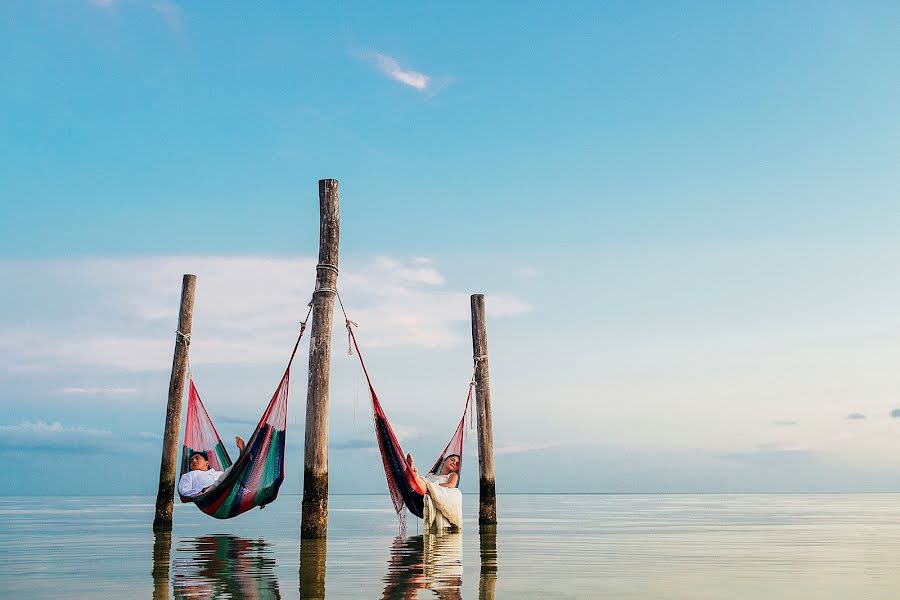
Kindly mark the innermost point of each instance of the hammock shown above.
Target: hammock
(402, 484)
(259, 471)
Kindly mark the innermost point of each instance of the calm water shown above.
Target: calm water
(622, 547)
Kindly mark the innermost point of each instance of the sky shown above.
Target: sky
(684, 218)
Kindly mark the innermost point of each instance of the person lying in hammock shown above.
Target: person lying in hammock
(200, 478)
(443, 500)
(448, 473)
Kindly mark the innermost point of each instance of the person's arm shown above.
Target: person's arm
(451, 483)
(184, 485)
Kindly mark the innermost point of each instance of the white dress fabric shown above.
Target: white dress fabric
(193, 483)
(443, 505)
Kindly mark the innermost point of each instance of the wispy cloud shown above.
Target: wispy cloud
(855, 416)
(168, 10)
(520, 447)
(391, 68)
(170, 13)
(785, 423)
(355, 443)
(98, 391)
(31, 436)
(120, 313)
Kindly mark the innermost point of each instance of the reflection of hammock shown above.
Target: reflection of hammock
(401, 481)
(256, 476)
(225, 566)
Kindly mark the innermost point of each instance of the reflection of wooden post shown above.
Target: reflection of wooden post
(487, 580)
(487, 507)
(314, 517)
(166, 494)
(312, 568)
(162, 555)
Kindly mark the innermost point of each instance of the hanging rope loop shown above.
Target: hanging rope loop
(350, 324)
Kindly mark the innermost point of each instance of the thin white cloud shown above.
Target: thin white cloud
(98, 391)
(391, 68)
(121, 313)
(167, 10)
(406, 433)
(170, 13)
(520, 447)
(53, 437)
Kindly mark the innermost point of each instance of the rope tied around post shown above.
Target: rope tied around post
(328, 267)
(184, 338)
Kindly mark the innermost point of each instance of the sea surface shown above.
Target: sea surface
(568, 546)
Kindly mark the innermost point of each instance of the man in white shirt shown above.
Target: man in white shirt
(201, 477)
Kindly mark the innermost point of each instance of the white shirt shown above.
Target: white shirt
(193, 482)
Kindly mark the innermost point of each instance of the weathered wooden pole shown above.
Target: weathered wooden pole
(487, 505)
(314, 517)
(166, 494)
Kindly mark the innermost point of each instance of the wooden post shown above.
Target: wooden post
(168, 463)
(314, 517)
(487, 506)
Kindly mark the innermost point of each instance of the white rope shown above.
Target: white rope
(328, 267)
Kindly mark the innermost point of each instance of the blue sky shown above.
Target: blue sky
(684, 217)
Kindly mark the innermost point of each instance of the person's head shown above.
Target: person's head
(450, 464)
(198, 461)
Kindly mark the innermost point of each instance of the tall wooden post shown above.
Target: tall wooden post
(314, 517)
(487, 506)
(166, 494)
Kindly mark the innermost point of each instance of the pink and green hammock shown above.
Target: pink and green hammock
(259, 471)
(402, 485)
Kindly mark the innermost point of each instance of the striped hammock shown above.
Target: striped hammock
(259, 471)
(404, 489)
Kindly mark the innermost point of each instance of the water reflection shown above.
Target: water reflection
(429, 562)
(487, 580)
(312, 568)
(217, 566)
(162, 554)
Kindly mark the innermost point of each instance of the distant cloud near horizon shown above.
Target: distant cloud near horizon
(99, 391)
(42, 436)
(391, 68)
(895, 413)
(785, 423)
(855, 416)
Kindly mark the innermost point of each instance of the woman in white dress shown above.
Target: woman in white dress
(443, 500)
